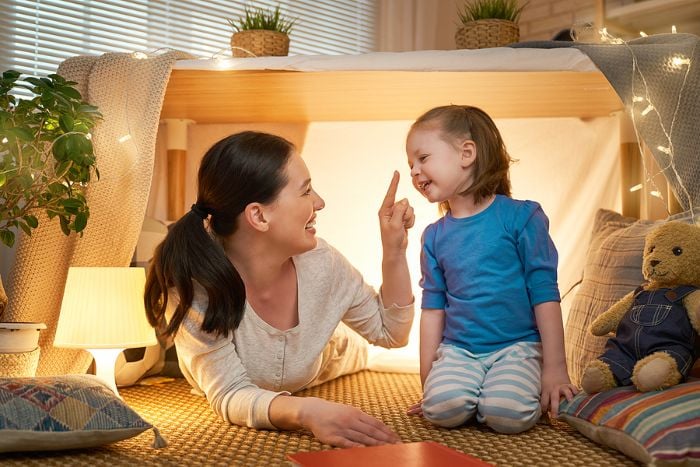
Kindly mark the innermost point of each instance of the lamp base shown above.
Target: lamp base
(105, 359)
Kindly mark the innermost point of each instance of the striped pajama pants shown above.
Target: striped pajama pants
(501, 388)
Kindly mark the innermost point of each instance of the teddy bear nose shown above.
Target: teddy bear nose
(654, 262)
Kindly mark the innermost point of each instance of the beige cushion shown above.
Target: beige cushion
(613, 268)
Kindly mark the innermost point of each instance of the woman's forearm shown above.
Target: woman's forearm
(396, 280)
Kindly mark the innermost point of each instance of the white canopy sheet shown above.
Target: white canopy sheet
(492, 59)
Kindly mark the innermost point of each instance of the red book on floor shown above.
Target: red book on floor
(420, 454)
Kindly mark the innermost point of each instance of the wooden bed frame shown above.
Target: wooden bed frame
(281, 96)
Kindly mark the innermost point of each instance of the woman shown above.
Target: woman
(260, 308)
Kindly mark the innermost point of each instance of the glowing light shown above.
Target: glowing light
(221, 63)
(637, 187)
(647, 110)
(139, 55)
(637, 99)
(88, 136)
(664, 149)
(4, 141)
(673, 29)
(643, 34)
(677, 61)
(124, 138)
(655, 193)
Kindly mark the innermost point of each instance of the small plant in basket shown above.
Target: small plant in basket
(488, 23)
(261, 32)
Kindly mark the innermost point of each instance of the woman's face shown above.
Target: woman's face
(292, 216)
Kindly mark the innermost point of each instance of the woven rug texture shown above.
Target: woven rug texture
(197, 437)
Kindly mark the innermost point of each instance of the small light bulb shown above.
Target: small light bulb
(655, 193)
(677, 61)
(88, 136)
(637, 187)
(637, 99)
(647, 110)
(221, 63)
(4, 141)
(124, 138)
(673, 29)
(643, 34)
(664, 149)
(139, 55)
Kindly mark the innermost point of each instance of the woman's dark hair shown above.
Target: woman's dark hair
(241, 169)
(458, 122)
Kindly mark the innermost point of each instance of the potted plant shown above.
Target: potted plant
(46, 161)
(261, 32)
(488, 23)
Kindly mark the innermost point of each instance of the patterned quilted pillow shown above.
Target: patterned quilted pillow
(657, 428)
(63, 412)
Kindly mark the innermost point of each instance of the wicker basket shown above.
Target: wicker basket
(19, 365)
(259, 43)
(487, 33)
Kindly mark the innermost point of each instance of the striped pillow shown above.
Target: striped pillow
(613, 268)
(658, 427)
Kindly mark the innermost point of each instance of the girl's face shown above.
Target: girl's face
(292, 216)
(440, 170)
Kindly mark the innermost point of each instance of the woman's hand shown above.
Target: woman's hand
(395, 218)
(343, 425)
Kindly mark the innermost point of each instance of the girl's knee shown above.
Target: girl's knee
(510, 425)
(510, 420)
(448, 412)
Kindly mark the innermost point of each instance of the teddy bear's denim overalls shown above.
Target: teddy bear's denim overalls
(657, 321)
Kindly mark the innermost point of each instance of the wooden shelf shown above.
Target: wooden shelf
(655, 16)
(230, 96)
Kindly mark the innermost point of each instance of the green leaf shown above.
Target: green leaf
(31, 221)
(66, 123)
(3, 178)
(7, 237)
(80, 221)
(26, 228)
(64, 224)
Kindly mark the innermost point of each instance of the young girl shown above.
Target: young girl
(492, 340)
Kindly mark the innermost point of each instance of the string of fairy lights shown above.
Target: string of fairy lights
(642, 105)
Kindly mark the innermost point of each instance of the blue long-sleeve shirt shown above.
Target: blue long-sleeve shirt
(487, 272)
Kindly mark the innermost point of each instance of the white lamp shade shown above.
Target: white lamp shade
(103, 308)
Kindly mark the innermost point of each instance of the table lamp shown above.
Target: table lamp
(103, 312)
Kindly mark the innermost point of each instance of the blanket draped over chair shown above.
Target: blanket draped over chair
(129, 93)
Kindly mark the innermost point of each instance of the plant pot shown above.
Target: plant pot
(486, 33)
(19, 351)
(19, 337)
(259, 43)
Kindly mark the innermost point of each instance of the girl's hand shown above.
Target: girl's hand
(343, 425)
(416, 409)
(555, 383)
(395, 218)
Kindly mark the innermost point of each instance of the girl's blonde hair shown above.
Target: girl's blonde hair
(457, 122)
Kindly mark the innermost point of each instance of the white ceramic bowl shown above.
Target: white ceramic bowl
(19, 337)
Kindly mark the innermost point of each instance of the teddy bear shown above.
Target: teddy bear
(657, 324)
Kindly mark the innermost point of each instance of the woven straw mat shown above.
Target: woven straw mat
(197, 437)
